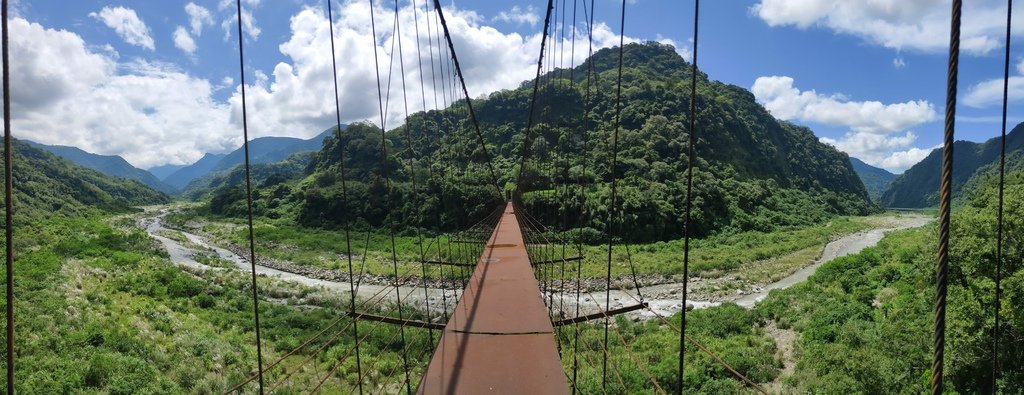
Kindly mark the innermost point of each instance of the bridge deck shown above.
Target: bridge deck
(500, 338)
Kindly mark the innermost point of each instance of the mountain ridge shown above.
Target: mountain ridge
(112, 165)
(268, 149)
(918, 186)
(875, 179)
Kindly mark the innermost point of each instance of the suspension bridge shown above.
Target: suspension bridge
(516, 318)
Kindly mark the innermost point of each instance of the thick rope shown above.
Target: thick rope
(344, 195)
(8, 205)
(945, 196)
(999, 221)
(248, 199)
(689, 194)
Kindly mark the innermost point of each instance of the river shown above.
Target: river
(663, 299)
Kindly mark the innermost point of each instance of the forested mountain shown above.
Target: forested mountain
(263, 175)
(752, 171)
(919, 185)
(46, 185)
(111, 165)
(180, 178)
(875, 179)
(261, 150)
(162, 172)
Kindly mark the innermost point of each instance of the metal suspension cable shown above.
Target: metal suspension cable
(469, 102)
(611, 205)
(248, 199)
(999, 221)
(387, 182)
(687, 226)
(366, 302)
(629, 351)
(945, 197)
(379, 294)
(589, 16)
(344, 193)
(412, 150)
(8, 205)
(707, 351)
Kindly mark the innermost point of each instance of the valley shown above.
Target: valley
(744, 285)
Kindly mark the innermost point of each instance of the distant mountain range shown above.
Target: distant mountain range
(162, 172)
(875, 179)
(111, 165)
(918, 187)
(173, 179)
(261, 150)
(46, 184)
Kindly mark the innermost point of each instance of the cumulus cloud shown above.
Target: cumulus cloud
(149, 113)
(878, 132)
(519, 16)
(198, 16)
(249, 26)
(785, 101)
(921, 25)
(154, 113)
(127, 24)
(990, 92)
(296, 98)
(893, 153)
(183, 41)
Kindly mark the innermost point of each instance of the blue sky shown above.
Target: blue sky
(157, 81)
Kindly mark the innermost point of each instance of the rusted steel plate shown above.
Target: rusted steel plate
(499, 339)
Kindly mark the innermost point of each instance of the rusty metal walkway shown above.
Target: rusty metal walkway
(500, 338)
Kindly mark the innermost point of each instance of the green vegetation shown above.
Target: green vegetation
(101, 311)
(866, 320)
(876, 180)
(919, 185)
(756, 256)
(756, 173)
(729, 331)
(47, 185)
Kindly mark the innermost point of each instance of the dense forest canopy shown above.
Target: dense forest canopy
(46, 184)
(752, 172)
(919, 185)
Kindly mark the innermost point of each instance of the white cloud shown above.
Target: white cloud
(296, 98)
(149, 113)
(183, 41)
(519, 16)
(155, 113)
(921, 25)
(898, 63)
(686, 52)
(893, 153)
(198, 16)
(127, 24)
(990, 92)
(878, 132)
(784, 101)
(229, 23)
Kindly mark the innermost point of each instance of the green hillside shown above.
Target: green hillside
(875, 179)
(754, 172)
(111, 165)
(919, 185)
(46, 184)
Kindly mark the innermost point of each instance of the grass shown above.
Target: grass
(753, 257)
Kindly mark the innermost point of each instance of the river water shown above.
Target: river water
(662, 300)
